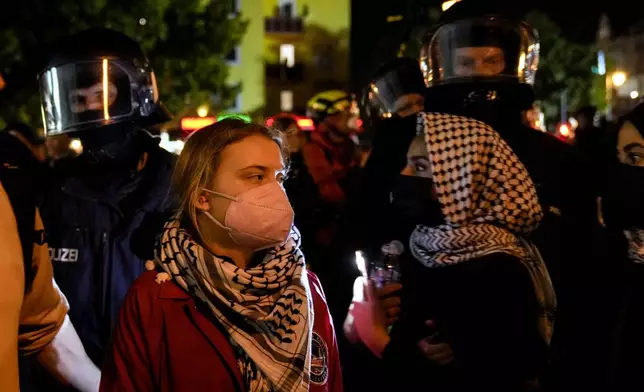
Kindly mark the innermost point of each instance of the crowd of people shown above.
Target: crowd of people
(233, 266)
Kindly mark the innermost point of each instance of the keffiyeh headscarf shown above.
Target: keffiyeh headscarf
(266, 310)
(488, 201)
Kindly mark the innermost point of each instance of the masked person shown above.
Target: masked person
(242, 313)
(478, 301)
(480, 61)
(390, 101)
(396, 89)
(98, 86)
(623, 213)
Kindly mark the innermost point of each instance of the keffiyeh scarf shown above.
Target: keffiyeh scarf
(266, 310)
(488, 200)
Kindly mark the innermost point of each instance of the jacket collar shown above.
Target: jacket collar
(152, 187)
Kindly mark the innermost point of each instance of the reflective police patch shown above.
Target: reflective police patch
(64, 255)
(319, 360)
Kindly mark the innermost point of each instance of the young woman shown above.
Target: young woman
(623, 215)
(477, 300)
(234, 307)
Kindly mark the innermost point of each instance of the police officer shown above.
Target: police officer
(98, 86)
(480, 61)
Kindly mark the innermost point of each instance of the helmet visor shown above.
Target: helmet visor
(85, 94)
(489, 48)
(396, 91)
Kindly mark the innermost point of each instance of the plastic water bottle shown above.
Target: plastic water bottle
(387, 269)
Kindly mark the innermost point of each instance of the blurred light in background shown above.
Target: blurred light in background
(618, 78)
(287, 55)
(601, 63)
(235, 116)
(286, 100)
(634, 94)
(447, 4)
(564, 130)
(573, 122)
(142, 21)
(306, 124)
(195, 123)
(202, 111)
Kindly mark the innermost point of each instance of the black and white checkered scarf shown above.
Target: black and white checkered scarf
(488, 200)
(266, 310)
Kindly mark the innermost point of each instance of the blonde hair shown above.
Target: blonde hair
(201, 156)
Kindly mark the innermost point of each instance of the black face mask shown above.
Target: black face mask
(412, 202)
(623, 198)
(109, 162)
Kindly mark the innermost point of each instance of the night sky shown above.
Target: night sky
(579, 19)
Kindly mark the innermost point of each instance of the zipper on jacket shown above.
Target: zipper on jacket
(103, 283)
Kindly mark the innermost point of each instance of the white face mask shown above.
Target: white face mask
(259, 218)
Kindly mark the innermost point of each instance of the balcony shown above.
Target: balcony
(282, 73)
(283, 25)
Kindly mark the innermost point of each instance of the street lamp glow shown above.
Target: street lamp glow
(446, 4)
(202, 111)
(634, 94)
(619, 78)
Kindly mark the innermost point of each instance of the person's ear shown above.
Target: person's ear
(201, 201)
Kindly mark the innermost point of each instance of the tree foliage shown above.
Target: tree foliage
(187, 42)
(564, 66)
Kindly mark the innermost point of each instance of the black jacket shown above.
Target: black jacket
(567, 237)
(90, 240)
(485, 309)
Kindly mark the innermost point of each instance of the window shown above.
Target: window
(237, 104)
(287, 8)
(233, 56)
(287, 55)
(235, 6)
(286, 100)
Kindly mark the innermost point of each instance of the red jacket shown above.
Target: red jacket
(163, 342)
(329, 163)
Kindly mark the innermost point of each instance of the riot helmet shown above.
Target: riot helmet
(485, 50)
(396, 89)
(97, 78)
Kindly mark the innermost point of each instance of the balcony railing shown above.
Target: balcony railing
(280, 24)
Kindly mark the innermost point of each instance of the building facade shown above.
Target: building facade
(292, 49)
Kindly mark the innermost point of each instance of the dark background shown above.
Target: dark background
(375, 41)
